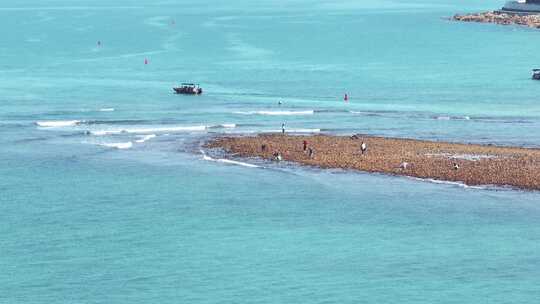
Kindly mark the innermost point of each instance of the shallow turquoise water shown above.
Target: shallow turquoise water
(106, 197)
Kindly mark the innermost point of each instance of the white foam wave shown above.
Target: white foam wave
(228, 161)
(276, 113)
(361, 112)
(452, 117)
(121, 146)
(464, 156)
(450, 183)
(443, 117)
(149, 130)
(295, 131)
(157, 21)
(106, 110)
(58, 123)
(145, 138)
(223, 126)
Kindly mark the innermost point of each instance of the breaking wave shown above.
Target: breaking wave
(443, 117)
(145, 138)
(450, 183)
(276, 113)
(227, 161)
(149, 130)
(294, 131)
(223, 126)
(58, 123)
(365, 113)
(114, 122)
(120, 146)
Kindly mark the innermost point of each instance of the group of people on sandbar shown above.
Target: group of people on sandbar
(309, 151)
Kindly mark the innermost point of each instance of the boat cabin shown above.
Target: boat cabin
(188, 89)
(536, 74)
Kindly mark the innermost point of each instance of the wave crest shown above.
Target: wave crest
(276, 113)
(227, 161)
(58, 123)
(120, 146)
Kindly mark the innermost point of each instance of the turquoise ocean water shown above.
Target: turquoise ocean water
(106, 197)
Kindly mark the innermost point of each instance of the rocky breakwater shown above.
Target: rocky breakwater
(503, 18)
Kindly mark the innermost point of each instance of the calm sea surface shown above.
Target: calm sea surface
(106, 196)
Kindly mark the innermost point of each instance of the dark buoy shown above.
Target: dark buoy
(145, 61)
(346, 97)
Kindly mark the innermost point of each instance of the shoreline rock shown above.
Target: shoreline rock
(470, 164)
(499, 17)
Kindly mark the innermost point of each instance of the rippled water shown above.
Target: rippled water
(106, 197)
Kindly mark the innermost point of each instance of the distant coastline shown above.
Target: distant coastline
(501, 17)
(465, 163)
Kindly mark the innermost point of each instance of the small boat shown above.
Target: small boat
(536, 74)
(188, 89)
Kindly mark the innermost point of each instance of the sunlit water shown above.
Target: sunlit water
(105, 196)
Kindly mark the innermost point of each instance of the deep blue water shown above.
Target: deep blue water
(105, 196)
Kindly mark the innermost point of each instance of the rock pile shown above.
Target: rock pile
(501, 18)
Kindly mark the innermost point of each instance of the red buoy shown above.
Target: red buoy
(145, 61)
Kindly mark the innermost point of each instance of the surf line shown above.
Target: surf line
(227, 161)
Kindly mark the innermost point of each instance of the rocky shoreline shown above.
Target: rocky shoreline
(466, 163)
(498, 17)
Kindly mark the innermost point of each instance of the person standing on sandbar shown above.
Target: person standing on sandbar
(363, 148)
(283, 128)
